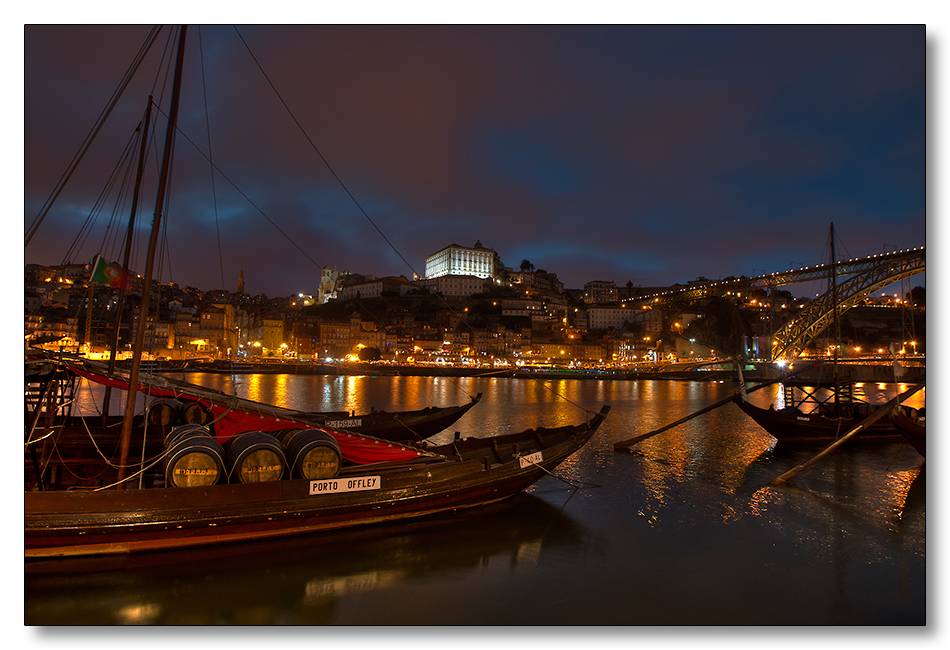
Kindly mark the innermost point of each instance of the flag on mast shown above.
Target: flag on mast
(109, 273)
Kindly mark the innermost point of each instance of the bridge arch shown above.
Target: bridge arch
(856, 279)
(806, 326)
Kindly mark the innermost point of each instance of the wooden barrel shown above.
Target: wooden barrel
(194, 458)
(284, 435)
(196, 413)
(255, 457)
(185, 431)
(313, 454)
(163, 412)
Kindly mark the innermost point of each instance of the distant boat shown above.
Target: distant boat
(398, 426)
(912, 425)
(819, 411)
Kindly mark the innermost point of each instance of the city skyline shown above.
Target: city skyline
(648, 154)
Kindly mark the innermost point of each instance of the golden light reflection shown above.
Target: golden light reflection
(253, 386)
(139, 614)
(320, 588)
(895, 491)
(730, 514)
(715, 450)
(762, 499)
(528, 553)
(812, 512)
(568, 470)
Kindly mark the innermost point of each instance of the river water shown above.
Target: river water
(684, 529)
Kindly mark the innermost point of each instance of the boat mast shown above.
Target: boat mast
(835, 330)
(126, 438)
(143, 146)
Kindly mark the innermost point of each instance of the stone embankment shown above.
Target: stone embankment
(912, 371)
(908, 372)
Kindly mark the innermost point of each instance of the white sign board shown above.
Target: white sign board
(337, 485)
(530, 459)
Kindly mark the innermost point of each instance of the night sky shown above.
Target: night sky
(648, 154)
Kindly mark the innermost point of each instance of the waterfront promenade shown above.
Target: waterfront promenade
(911, 369)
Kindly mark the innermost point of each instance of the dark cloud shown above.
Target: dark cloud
(654, 154)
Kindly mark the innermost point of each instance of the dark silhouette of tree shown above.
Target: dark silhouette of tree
(721, 325)
(499, 271)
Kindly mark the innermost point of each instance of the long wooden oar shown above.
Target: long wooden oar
(863, 424)
(625, 444)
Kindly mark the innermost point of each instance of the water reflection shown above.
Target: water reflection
(298, 580)
(872, 393)
(871, 487)
(686, 529)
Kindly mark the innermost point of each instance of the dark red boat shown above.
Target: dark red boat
(193, 488)
(238, 470)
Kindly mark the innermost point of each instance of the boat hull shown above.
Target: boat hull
(792, 426)
(77, 523)
(401, 426)
(394, 426)
(914, 432)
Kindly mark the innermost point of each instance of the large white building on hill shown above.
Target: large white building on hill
(460, 260)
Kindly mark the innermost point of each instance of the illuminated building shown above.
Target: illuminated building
(460, 260)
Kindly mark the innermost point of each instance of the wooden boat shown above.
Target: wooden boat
(823, 410)
(398, 426)
(355, 479)
(813, 413)
(181, 402)
(237, 470)
(912, 425)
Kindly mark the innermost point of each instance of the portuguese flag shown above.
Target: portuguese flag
(110, 273)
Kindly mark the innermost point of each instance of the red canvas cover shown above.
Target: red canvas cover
(229, 423)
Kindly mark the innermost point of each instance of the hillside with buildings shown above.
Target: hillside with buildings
(469, 309)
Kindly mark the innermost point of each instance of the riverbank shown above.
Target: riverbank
(882, 372)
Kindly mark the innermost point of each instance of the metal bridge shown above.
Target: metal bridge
(856, 280)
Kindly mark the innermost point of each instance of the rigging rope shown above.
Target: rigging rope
(247, 198)
(314, 146)
(214, 168)
(123, 83)
(86, 228)
(214, 197)
(359, 206)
